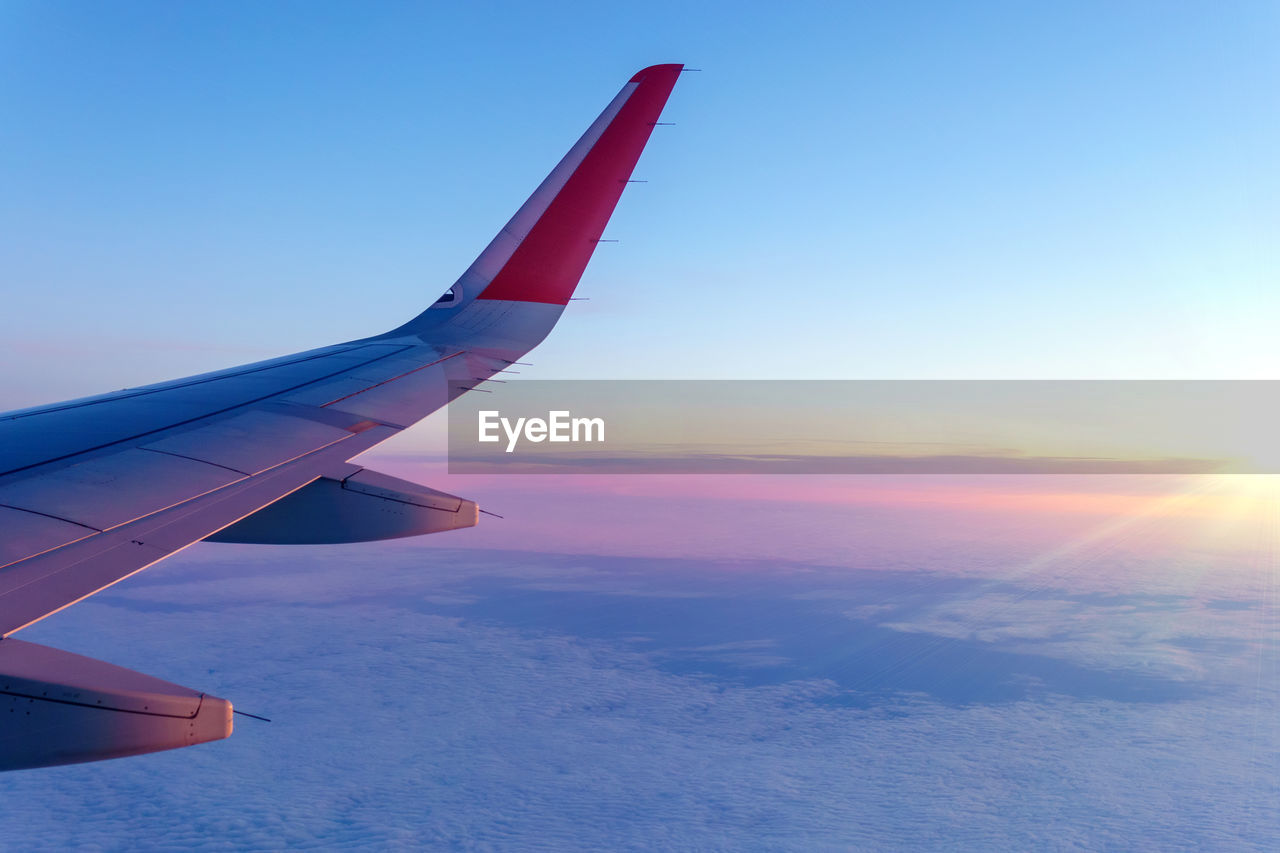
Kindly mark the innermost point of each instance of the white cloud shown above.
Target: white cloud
(401, 723)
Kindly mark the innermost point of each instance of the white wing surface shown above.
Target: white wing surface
(95, 490)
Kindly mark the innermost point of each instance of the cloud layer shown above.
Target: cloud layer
(490, 700)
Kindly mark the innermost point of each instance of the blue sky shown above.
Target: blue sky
(852, 190)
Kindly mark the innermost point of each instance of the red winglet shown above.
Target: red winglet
(548, 263)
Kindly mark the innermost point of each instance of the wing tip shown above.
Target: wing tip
(668, 68)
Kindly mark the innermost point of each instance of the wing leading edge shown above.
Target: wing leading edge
(95, 490)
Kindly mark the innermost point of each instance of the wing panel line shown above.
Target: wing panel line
(185, 516)
(195, 419)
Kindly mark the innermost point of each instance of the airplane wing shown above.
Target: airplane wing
(95, 490)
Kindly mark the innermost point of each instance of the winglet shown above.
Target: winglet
(549, 261)
(670, 70)
(540, 255)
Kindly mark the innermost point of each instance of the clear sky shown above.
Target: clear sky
(979, 190)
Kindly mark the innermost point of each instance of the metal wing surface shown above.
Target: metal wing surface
(95, 490)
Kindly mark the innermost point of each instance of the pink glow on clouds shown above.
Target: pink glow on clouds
(1083, 527)
(1097, 495)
